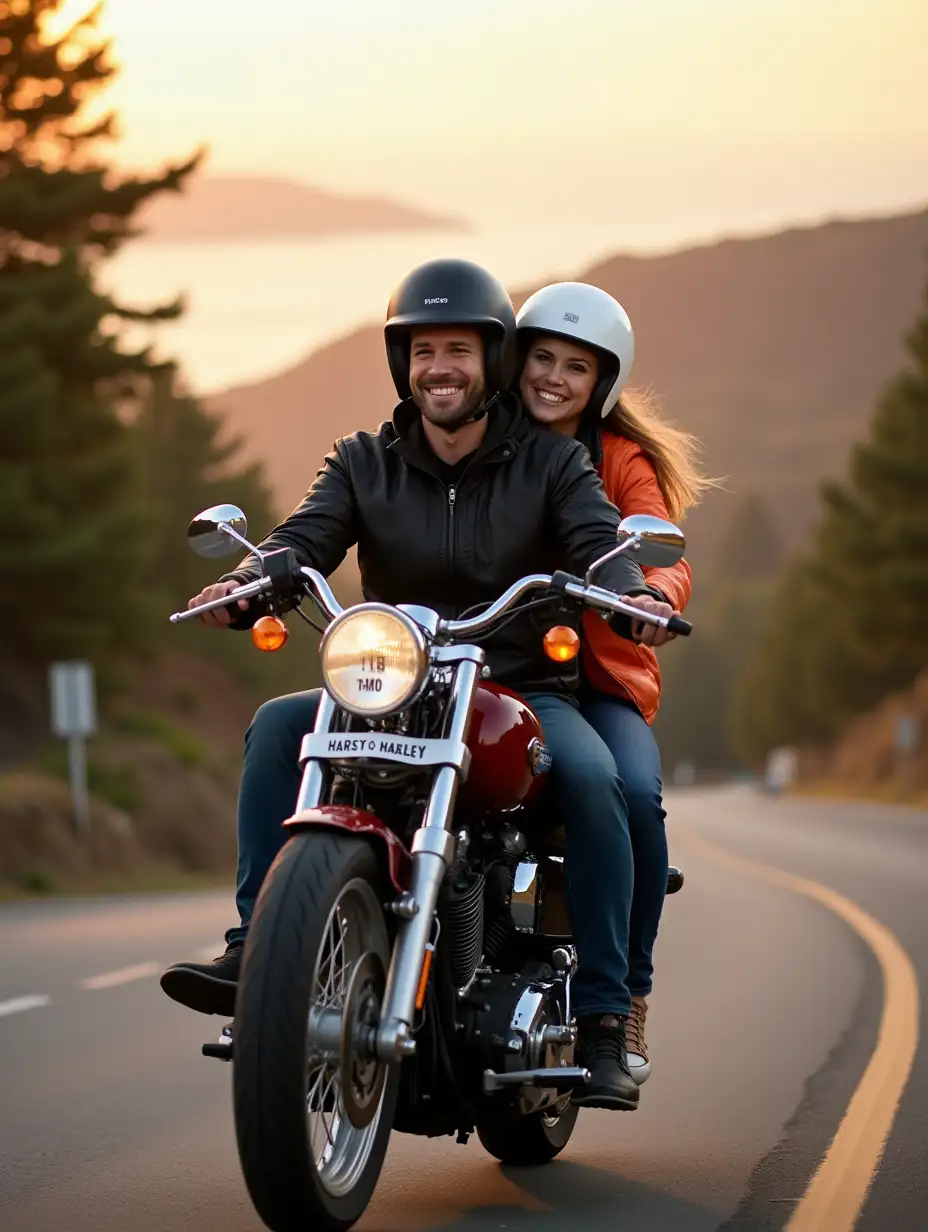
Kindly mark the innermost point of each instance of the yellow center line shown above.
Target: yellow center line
(837, 1192)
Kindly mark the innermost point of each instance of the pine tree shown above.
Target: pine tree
(848, 624)
(73, 547)
(185, 465)
(874, 540)
(792, 688)
(55, 193)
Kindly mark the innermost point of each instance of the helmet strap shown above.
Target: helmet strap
(480, 411)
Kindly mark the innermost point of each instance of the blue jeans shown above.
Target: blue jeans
(585, 789)
(586, 792)
(638, 762)
(267, 794)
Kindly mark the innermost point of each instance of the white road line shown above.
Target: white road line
(211, 951)
(126, 975)
(19, 1004)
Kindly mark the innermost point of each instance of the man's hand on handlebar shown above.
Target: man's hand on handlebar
(650, 635)
(219, 617)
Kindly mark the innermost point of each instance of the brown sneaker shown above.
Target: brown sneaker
(639, 1063)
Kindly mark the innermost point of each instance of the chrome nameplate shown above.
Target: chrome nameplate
(383, 746)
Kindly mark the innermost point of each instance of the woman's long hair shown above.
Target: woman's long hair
(672, 452)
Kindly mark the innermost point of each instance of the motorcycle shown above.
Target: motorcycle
(409, 963)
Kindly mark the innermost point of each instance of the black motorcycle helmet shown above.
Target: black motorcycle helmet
(449, 291)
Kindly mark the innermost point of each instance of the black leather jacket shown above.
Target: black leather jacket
(529, 501)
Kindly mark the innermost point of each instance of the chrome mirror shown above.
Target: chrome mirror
(659, 543)
(654, 543)
(219, 531)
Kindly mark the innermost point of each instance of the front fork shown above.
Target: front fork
(432, 850)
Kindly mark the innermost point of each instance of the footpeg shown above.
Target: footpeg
(557, 1034)
(561, 1078)
(222, 1050)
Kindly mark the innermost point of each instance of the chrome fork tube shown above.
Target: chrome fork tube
(313, 772)
(432, 850)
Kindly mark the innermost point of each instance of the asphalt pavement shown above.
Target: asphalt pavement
(777, 1000)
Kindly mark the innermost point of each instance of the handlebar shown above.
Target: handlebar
(564, 583)
(606, 601)
(248, 591)
(592, 596)
(324, 594)
(479, 624)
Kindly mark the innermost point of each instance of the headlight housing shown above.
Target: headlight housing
(374, 660)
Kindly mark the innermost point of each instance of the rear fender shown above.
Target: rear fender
(357, 821)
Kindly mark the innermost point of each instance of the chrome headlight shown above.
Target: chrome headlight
(374, 660)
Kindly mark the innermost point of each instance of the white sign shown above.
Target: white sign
(684, 774)
(74, 717)
(74, 710)
(781, 769)
(907, 733)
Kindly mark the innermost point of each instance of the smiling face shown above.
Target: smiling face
(446, 374)
(557, 381)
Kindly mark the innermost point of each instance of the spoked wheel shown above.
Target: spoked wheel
(313, 1105)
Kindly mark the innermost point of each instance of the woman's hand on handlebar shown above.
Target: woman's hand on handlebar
(219, 617)
(650, 635)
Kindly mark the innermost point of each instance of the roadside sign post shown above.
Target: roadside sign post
(74, 718)
(907, 734)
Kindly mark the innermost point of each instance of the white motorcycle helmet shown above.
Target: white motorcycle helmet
(588, 315)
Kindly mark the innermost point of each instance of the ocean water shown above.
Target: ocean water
(255, 309)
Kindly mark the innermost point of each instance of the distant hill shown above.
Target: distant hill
(771, 349)
(223, 208)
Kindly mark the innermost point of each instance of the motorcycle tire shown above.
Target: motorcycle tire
(528, 1140)
(310, 887)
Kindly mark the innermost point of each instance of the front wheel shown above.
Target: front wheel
(313, 1107)
(527, 1140)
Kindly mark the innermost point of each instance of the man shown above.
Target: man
(451, 502)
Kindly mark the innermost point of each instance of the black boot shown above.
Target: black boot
(601, 1050)
(207, 987)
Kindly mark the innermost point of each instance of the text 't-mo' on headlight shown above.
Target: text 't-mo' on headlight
(374, 660)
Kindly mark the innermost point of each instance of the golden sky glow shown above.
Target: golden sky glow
(567, 110)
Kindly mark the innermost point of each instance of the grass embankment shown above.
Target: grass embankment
(878, 793)
(162, 813)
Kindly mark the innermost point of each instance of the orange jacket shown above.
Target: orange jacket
(614, 664)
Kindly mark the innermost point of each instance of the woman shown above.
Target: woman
(576, 348)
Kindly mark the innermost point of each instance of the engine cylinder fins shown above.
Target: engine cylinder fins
(461, 913)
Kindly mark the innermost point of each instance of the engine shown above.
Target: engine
(517, 1022)
(461, 914)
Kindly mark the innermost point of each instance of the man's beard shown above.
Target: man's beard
(452, 421)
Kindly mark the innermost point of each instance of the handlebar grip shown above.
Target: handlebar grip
(677, 624)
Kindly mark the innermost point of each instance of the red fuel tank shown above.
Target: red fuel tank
(509, 758)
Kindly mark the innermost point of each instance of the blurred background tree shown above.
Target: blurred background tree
(730, 595)
(75, 537)
(848, 625)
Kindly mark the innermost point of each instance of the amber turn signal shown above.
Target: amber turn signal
(269, 633)
(562, 644)
(424, 975)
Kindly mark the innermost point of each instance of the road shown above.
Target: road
(764, 1019)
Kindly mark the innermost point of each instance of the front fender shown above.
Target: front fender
(357, 821)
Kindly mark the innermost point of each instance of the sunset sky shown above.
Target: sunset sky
(748, 110)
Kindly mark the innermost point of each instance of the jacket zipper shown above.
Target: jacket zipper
(451, 497)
